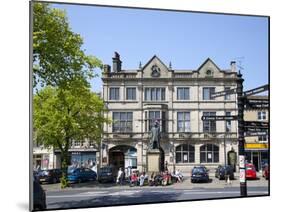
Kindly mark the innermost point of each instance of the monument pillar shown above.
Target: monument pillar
(153, 161)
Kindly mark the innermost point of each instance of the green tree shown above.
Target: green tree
(62, 116)
(57, 54)
(64, 107)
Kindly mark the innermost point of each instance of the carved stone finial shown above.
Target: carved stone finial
(170, 65)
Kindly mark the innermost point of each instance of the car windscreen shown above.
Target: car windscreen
(198, 170)
(43, 173)
(106, 170)
(71, 170)
(250, 168)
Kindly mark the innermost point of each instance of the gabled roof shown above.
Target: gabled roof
(207, 60)
(154, 57)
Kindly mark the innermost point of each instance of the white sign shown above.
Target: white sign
(241, 161)
(209, 156)
(185, 157)
(242, 176)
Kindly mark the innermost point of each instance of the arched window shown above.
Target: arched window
(185, 153)
(209, 153)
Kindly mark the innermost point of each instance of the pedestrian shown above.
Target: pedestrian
(120, 176)
(179, 175)
(133, 179)
(151, 181)
(166, 166)
(142, 178)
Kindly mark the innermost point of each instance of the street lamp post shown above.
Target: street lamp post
(241, 139)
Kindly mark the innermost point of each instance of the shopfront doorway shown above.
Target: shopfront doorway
(124, 157)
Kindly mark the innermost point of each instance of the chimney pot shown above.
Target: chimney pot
(233, 66)
(116, 62)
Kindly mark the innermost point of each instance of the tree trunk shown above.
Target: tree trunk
(64, 165)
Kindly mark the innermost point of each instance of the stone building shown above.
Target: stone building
(177, 99)
(256, 148)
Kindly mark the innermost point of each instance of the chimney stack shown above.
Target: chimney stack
(233, 66)
(106, 69)
(116, 62)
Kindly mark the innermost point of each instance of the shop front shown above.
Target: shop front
(257, 154)
(77, 158)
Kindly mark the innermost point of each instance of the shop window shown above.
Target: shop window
(209, 153)
(185, 153)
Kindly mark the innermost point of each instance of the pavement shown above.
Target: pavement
(186, 184)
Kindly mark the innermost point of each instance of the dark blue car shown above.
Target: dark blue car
(75, 175)
(199, 174)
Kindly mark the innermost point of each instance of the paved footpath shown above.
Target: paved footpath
(186, 184)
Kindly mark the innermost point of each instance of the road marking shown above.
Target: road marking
(227, 192)
(126, 192)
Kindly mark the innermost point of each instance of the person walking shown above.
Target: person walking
(120, 176)
(142, 178)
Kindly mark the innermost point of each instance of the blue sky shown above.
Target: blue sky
(184, 38)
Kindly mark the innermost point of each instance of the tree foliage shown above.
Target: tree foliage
(65, 109)
(57, 54)
(62, 116)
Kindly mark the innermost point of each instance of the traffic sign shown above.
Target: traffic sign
(218, 118)
(257, 104)
(255, 129)
(256, 90)
(253, 134)
(258, 124)
(223, 93)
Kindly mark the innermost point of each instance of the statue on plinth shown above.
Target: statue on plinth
(154, 137)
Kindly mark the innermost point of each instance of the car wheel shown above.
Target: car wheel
(79, 180)
(54, 180)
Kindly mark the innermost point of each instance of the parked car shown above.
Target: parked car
(49, 176)
(107, 174)
(199, 174)
(39, 196)
(251, 171)
(265, 172)
(75, 175)
(222, 171)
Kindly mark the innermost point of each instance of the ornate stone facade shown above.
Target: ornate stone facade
(175, 98)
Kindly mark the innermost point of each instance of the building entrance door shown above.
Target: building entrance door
(116, 159)
(124, 157)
